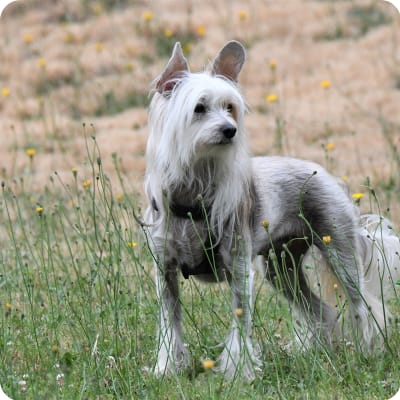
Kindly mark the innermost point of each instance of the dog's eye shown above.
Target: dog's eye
(229, 108)
(200, 108)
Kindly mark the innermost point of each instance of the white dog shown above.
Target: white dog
(213, 209)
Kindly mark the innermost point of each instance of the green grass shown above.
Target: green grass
(78, 310)
(110, 105)
(362, 18)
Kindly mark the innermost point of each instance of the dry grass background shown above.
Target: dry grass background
(68, 62)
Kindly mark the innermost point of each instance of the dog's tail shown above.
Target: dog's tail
(380, 252)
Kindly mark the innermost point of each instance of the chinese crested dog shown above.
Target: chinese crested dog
(213, 209)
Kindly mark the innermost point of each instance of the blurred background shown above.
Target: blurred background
(322, 82)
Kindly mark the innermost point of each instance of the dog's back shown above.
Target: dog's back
(292, 192)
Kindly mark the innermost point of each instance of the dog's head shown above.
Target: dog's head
(199, 114)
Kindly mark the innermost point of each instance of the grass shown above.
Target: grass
(79, 310)
(361, 18)
(111, 105)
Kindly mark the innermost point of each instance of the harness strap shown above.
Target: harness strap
(196, 213)
(207, 266)
(182, 211)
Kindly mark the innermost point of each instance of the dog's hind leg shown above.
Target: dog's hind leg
(239, 357)
(317, 319)
(363, 321)
(172, 353)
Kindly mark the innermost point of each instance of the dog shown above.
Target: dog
(213, 209)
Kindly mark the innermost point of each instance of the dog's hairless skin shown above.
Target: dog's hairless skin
(207, 202)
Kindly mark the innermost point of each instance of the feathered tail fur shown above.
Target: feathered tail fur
(379, 248)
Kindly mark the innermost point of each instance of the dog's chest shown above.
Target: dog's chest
(194, 246)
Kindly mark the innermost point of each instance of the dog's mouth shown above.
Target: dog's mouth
(224, 141)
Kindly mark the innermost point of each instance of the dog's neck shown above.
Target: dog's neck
(197, 189)
(194, 194)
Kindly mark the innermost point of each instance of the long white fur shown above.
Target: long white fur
(172, 151)
(381, 253)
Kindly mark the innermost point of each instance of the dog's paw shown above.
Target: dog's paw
(169, 364)
(239, 361)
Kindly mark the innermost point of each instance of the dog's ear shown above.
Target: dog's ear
(176, 66)
(229, 61)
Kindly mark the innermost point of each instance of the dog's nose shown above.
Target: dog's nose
(228, 131)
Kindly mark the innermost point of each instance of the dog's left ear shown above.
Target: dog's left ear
(229, 60)
(177, 65)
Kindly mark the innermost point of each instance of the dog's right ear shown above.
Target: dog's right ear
(177, 65)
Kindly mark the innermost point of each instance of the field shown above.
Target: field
(78, 307)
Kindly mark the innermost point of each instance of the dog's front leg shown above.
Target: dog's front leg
(172, 353)
(239, 357)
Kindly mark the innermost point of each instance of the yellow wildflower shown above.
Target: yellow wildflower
(243, 15)
(271, 98)
(147, 16)
(5, 92)
(345, 178)
(357, 196)
(265, 223)
(330, 146)
(132, 245)
(74, 171)
(239, 312)
(208, 364)
(99, 47)
(326, 239)
(119, 196)
(42, 63)
(272, 64)
(201, 30)
(86, 183)
(28, 38)
(168, 33)
(8, 306)
(30, 152)
(325, 84)
(39, 210)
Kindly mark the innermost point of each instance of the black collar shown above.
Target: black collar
(195, 212)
